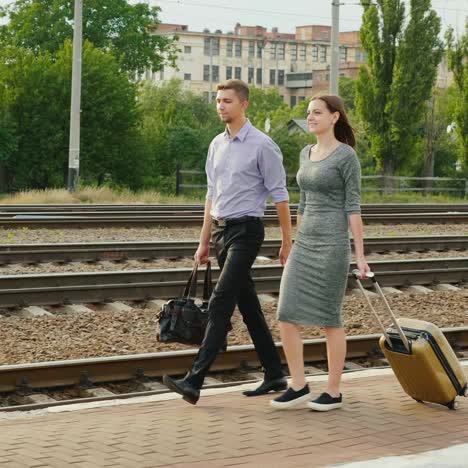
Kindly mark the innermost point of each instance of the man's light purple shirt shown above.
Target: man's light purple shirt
(242, 172)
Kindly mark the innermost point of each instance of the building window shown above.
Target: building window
(238, 48)
(360, 55)
(302, 52)
(215, 72)
(211, 46)
(301, 98)
(259, 49)
(293, 101)
(228, 73)
(293, 52)
(206, 95)
(259, 76)
(273, 50)
(281, 48)
(343, 54)
(327, 77)
(272, 77)
(280, 77)
(229, 47)
(251, 48)
(187, 76)
(314, 53)
(187, 49)
(238, 73)
(323, 54)
(250, 75)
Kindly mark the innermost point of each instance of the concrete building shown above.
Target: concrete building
(297, 64)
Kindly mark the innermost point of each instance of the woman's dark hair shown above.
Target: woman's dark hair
(343, 130)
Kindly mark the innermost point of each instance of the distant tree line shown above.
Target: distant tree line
(133, 134)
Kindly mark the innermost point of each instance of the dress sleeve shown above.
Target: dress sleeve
(304, 154)
(351, 173)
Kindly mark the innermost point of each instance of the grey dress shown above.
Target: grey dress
(315, 276)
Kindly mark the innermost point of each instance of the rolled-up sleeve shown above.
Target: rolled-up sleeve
(270, 163)
(351, 172)
(209, 173)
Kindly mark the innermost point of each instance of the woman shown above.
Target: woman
(315, 275)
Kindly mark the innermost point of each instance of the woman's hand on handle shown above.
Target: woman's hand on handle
(363, 267)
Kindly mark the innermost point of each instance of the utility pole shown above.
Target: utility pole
(74, 148)
(211, 70)
(335, 47)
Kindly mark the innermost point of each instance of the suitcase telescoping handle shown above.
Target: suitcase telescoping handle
(376, 285)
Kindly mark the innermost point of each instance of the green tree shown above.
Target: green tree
(392, 89)
(8, 143)
(178, 127)
(37, 94)
(264, 104)
(7, 130)
(458, 63)
(347, 91)
(129, 31)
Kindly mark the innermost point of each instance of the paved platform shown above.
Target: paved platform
(227, 429)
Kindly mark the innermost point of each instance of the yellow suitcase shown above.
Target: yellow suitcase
(421, 357)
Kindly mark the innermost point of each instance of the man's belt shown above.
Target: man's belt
(229, 221)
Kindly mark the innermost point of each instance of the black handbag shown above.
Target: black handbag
(181, 319)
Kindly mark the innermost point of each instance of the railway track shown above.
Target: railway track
(121, 251)
(82, 216)
(98, 287)
(367, 208)
(177, 220)
(29, 378)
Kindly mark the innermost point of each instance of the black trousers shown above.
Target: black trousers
(237, 246)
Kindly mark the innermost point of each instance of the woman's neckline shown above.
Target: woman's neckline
(326, 157)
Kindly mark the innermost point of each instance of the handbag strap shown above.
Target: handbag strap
(208, 283)
(191, 286)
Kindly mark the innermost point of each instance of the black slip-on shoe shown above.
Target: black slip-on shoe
(189, 393)
(326, 402)
(267, 386)
(291, 398)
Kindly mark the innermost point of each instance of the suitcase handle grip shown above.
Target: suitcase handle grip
(376, 285)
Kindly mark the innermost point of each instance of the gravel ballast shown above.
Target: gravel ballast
(27, 236)
(100, 333)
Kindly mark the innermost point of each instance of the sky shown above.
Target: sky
(224, 14)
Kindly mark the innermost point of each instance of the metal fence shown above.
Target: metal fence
(188, 180)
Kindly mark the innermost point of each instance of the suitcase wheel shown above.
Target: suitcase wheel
(453, 405)
(419, 401)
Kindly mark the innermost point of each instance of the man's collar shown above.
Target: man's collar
(242, 132)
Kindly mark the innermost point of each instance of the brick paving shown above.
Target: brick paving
(230, 430)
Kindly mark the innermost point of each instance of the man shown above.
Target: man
(243, 167)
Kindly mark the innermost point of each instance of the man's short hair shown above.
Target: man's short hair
(240, 88)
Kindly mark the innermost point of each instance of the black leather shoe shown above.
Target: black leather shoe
(267, 386)
(189, 393)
